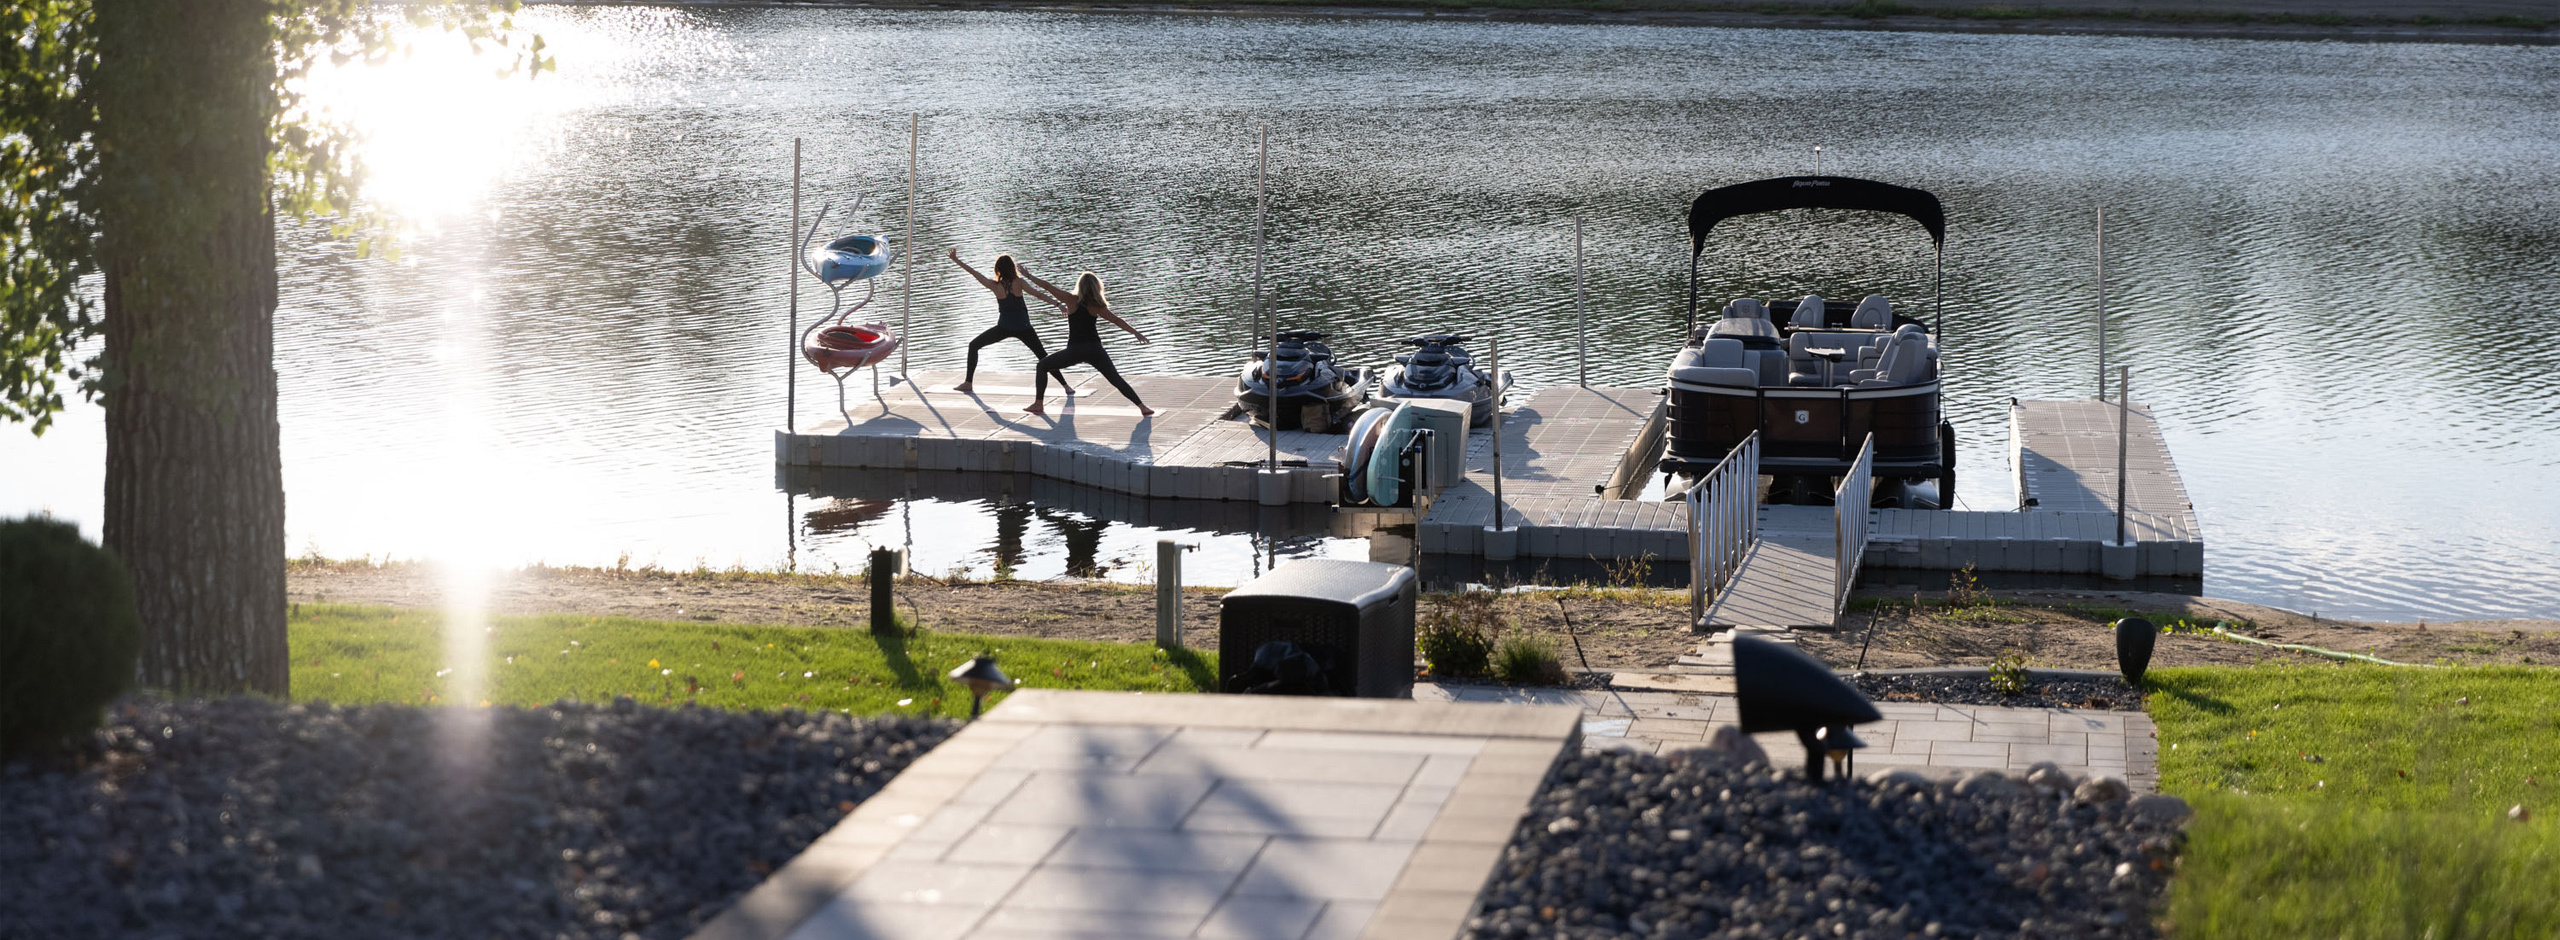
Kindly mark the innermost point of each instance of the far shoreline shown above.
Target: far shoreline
(2129, 18)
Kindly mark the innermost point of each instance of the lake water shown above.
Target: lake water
(2333, 267)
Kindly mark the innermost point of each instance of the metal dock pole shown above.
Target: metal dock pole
(2124, 421)
(1583, 341)
(1271, 362)
(1261, 210)
(791, 360)
(1496, 357)
(2102, 309)
(907, 282)
(1168, 594)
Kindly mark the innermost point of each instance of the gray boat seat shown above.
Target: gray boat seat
(1808, 313)
(1770, 363)
(1746, 308)
(1745, 328)
(1906, 362)
(1719, 362)
(1873, 313)
(1721, 354)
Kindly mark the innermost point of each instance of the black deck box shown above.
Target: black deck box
(1356, 617)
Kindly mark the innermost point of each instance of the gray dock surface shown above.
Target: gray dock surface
(1561, 447)
(1187, 450)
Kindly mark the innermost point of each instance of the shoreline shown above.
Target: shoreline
(1614, 627)
(2157, 20)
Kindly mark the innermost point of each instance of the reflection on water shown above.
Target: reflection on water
(2330, 262)
(983, 525)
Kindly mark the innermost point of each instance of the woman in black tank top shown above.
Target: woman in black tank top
(1013, 318)
(1084, 339)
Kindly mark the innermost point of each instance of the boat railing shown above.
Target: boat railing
(1724, 521)
(1849, 516)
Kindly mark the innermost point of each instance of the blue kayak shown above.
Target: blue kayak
(851, 258)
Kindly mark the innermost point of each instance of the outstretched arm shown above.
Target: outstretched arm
(1048, 291)
(973, 272)
(1105, 313)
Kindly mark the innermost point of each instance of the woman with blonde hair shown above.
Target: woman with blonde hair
(1013, 318)
(1084, 339)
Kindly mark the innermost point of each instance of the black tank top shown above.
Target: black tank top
(1011, 314)
(1080, 327)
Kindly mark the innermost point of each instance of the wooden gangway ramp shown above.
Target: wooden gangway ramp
(1787, 582)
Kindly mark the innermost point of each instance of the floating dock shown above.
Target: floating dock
(1570, 459)
(1187, 450)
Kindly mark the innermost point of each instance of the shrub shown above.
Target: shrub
(1522, 659)
(68, 634)
(1457, 641)
(2009, 673)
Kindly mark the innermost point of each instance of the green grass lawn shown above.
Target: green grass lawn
(349, 655)
(2364, 801)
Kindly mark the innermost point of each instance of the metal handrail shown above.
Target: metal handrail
(1724, 521)
(1849, 505)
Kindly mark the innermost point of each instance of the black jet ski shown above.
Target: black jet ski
(1315, 394)
(1438, 368)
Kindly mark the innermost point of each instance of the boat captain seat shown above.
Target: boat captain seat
(1873, 313)
(1808, 313)
(1746, 308)
(1717, 362)
(1905, 362)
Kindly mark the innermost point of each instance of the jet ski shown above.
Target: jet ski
(1315, 394)
(1438, 368)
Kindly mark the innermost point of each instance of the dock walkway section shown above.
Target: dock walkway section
(1189, 449)
(1560, 448)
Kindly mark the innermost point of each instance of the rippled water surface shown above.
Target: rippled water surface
(2332, 265)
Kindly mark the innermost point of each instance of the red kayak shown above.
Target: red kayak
(841, 347)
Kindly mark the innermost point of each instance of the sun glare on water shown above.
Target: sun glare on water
(442, 127)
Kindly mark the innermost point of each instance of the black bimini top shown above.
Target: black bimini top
(1813, 192)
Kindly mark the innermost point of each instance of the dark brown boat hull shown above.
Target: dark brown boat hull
(1812, 431)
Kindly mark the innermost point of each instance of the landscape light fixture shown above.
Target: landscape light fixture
(982, 677)
(2134, 639)
(1779, 688)
(1841, 746)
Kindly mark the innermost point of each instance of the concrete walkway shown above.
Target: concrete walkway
(1093, 814)
(1937, 740)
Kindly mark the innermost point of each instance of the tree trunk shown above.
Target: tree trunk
(195, 489)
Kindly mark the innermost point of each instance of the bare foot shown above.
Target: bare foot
(962, 388)
(1069, 391)
(1144, 411)
(1035, 409)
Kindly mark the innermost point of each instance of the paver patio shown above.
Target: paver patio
(1937, 740)
(1091, 814)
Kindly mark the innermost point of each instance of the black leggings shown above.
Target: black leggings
(1081, 354)
(999, 333)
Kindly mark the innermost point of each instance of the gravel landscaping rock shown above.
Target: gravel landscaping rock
(1699, 846)
(2109, 693)
(248, 818)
